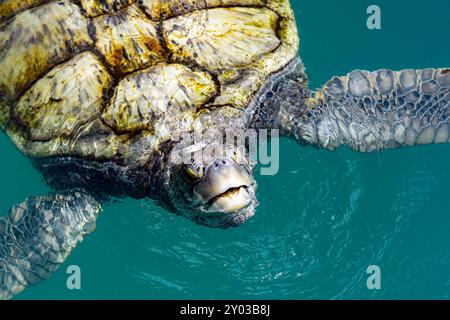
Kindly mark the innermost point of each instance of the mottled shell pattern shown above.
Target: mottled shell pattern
(94, 78)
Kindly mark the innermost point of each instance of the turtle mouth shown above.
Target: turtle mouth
(226, 188)
(232, 200)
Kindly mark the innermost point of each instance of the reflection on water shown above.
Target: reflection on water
(321, 223)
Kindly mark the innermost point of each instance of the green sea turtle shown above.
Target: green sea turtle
(98, 92)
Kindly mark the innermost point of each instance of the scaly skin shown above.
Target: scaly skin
(38, 235)
(382, 110)
(364, 111)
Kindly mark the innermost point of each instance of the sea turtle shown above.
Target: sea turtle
(98, 92)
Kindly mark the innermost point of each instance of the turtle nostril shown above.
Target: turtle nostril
(220, 163)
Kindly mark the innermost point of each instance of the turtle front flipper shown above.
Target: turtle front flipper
(369, 111)
(39, 234)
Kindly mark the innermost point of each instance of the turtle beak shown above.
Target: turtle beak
(225, 188)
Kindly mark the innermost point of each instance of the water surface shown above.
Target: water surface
(322, 220)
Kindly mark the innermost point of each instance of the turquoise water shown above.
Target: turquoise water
(323, 219)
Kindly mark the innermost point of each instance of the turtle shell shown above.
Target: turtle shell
(92, 78)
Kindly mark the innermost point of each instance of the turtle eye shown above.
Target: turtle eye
(195, 171)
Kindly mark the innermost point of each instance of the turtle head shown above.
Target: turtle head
(214, 191)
